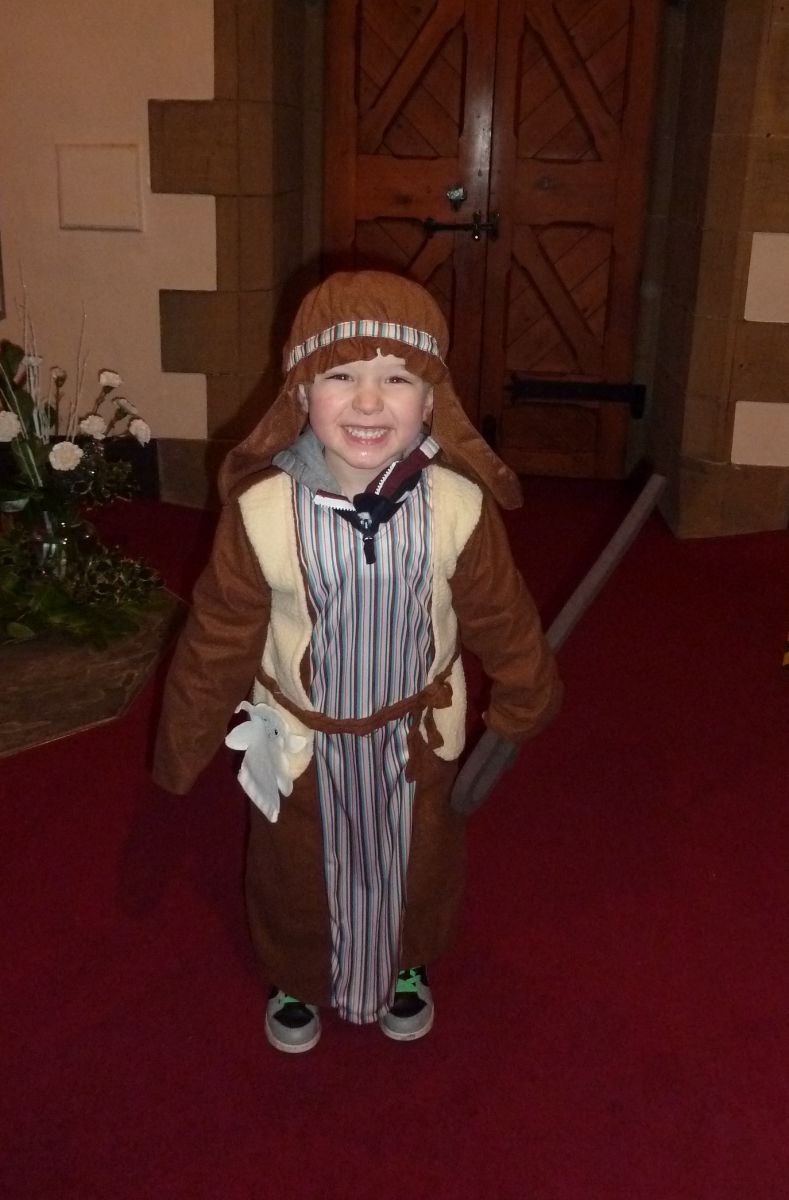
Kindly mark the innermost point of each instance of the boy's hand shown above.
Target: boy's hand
(490, 758)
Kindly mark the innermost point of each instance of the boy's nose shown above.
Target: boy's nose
(367, 398)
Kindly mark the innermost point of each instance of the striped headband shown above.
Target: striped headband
(368, 329)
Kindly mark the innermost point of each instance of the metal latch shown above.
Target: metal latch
(476, 227)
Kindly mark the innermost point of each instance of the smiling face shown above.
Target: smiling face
(367, 414)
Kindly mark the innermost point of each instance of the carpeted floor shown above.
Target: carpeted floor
(613, 1023)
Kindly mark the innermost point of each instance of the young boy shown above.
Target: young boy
(355, 553)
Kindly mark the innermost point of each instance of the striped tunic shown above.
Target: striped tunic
(371, 646)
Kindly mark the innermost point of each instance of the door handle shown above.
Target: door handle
(476, 226)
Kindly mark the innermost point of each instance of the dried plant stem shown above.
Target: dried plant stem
(73, 412)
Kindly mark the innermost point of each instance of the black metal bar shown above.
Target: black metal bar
(476, 227)
(524, 388)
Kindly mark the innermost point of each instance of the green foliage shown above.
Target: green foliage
(94, 596)
(94, 482)
(55, 576)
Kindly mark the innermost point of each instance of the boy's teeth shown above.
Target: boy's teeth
(364, 432)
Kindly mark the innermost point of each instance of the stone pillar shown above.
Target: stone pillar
(245, 147)
(731, 170)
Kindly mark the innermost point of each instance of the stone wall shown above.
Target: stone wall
(731, 170)
(248, 147)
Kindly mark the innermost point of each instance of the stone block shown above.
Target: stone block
(200, 331)
(256, 148)
(691, 164)
(739, 67)
(193, 146)
(765, 207)
(667, 410)
(710, 362)
(222, 404)
(226, 41)
(771, 117)
(682, 262)
(187, 473)
(761, 362)
(256, 235)
(707, 426)
(287, 160)
(259, 345)
(726, 181)
(286, 233)
(713, 499)
(287, 45)
(227, 244)
(722, 273)
(255, 53)
(674, 343)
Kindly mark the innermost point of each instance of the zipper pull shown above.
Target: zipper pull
(368, 542)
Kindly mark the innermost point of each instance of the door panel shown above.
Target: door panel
(561, 157)
(409, 110)
(571, 133)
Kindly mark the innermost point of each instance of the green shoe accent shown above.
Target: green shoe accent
(411, 1014)
(408, 981)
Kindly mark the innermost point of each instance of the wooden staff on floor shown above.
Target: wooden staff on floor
(493, 755)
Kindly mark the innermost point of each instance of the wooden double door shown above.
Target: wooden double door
(528, 123)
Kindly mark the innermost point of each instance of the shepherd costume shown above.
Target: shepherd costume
(345, 620)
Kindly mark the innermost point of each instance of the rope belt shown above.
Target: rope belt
(437, 694)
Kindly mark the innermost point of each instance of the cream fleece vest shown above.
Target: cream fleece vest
(267, 510)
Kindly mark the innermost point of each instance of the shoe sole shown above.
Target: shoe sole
(408, 1037)
(289, 1047)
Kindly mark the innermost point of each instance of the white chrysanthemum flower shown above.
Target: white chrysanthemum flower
(10, 425)
(109, 379)
(126, 405)
(94, 426)
(141, 430)
(65, 456)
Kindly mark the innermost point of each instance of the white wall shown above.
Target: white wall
(82, 73)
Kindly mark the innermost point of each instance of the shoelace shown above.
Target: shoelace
(408, 981)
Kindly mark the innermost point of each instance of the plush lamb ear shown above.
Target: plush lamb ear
(246, 707)
(295, 743)
(242, 737)
(285, 784)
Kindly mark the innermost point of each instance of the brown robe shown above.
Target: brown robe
(216, 661)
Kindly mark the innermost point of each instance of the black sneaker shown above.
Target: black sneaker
(412, 1011)
(291, 1026)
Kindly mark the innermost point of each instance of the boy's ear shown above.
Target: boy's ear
(304, 396)
(427, 407)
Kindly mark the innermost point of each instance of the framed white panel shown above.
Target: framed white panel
(99, 187)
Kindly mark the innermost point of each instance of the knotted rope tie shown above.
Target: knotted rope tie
(437, 694)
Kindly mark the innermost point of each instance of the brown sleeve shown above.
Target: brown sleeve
(498, 621)
(216, 658)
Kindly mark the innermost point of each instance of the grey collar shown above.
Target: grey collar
(305, 463)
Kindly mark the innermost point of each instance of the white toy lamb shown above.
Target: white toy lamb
(265, 770)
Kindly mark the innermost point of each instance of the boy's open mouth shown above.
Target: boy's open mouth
(362, 433)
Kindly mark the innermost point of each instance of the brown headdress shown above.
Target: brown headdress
(348, 317)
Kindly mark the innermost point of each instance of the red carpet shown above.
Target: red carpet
(613, 1023)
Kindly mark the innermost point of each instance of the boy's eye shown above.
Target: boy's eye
(340, 375)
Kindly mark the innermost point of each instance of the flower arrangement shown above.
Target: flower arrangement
(54, 572)
(54, 467)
